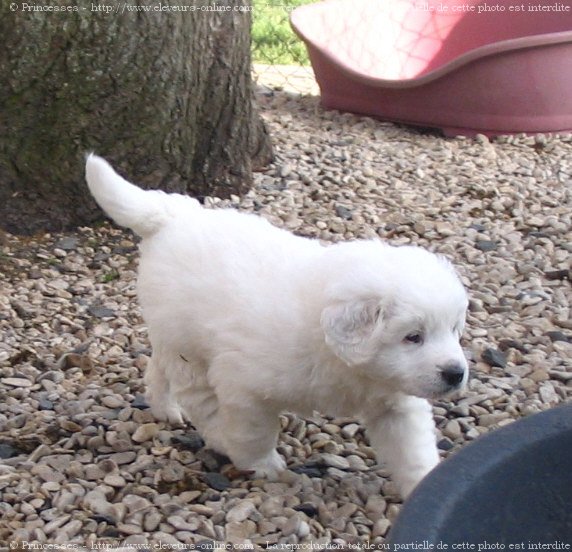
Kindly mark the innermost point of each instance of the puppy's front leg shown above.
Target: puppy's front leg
(403, 436)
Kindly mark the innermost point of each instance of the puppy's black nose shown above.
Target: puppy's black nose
(452, 374)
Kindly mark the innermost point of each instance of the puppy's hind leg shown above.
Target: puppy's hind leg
(248, 434)
(403, 436)
(159, 385)
(232, 419)
(242, 430)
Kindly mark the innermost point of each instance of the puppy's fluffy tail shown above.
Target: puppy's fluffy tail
(143, 211)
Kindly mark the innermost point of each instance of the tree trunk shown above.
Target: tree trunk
(165, 96)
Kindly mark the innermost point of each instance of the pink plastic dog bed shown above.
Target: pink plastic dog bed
(466, 66)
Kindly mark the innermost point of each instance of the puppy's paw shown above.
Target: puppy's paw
(269, 467)
(406, 482)
(171, 415)
(166, 412)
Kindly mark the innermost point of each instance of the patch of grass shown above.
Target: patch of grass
(110, 276)
(273, 40)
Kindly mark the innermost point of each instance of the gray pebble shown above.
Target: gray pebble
(349, 431)
(217, 481)
(486, 245)
(183, 525)
(334, 461)
(121, 458)
(145, 432)
(494, 357)
(241, 511)
(272, 506)
(240, 532)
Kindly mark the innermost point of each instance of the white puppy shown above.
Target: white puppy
(247, 320)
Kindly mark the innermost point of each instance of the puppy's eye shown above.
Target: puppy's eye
(414, 337)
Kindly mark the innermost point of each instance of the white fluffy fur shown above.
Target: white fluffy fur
(247, 320)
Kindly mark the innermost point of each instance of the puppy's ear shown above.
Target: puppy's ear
(349, 326)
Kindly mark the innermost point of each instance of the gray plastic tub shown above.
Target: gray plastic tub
(510, 487)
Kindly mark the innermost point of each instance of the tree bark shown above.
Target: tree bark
(166, 96)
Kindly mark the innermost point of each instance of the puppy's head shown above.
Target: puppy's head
(404, 330)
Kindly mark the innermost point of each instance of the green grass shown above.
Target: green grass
(273, 40)
(110, 276)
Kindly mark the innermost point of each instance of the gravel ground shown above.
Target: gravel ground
(85, 462)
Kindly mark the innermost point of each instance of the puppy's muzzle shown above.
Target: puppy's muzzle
(452, 375)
